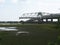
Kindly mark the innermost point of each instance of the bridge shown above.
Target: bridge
(42, 16)
(52, 18)
(33, 15)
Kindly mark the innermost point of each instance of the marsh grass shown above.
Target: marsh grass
(40, 34)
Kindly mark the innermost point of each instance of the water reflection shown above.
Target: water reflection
(22, 33)
(11, 27)
(8, 29)
(14, 29)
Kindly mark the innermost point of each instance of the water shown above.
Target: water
(18, 32)
(8, 29)
(22, 33)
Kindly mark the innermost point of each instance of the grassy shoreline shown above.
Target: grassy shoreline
(28, 25)
(41, 26)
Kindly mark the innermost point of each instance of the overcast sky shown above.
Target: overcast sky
(10, 10)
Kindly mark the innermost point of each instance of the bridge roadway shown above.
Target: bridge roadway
(28, 17)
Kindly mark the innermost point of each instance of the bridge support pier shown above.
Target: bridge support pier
(46, 20)
(51, 20)
(58, 19)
